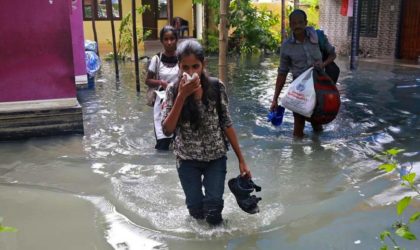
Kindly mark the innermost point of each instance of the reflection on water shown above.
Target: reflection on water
(325, 184)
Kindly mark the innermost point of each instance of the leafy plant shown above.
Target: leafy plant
(252, 28)
(401, 228)
(214, 4)
(125, 37)
(311, 8)
(212, 46)
(4, 229)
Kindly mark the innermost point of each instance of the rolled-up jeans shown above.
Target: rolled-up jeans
(194, 175)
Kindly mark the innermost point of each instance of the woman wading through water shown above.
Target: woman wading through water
(196, 110)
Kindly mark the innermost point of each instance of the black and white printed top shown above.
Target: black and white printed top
(208, 141)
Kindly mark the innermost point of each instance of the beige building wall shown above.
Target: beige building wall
(336, 28)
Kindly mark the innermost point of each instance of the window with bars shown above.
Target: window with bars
(104, 8)
(368, 18)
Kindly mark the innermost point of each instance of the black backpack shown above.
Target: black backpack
(216, 84)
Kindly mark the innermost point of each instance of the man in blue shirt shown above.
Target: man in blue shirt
(298, 53)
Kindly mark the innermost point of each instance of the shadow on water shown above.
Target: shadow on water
(311, 188)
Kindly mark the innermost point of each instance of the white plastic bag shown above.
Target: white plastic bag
(300, 97)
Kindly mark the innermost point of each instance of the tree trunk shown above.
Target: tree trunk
(114, 45)
(206, 23)
(223, 40)
(95, 36)
(168, 10)
(136, 51)
(283, 20)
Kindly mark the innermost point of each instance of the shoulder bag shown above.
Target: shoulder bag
(151, 94)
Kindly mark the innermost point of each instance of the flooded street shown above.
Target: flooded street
(110, 189)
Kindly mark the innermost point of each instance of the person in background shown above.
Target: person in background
(196, 110)
(298, 53)
(163, 70)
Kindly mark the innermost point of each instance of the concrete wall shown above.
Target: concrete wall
(336, 27)
(36, 56)
(37, 87)
(76, 20)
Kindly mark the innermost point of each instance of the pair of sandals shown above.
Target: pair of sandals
(242, 187)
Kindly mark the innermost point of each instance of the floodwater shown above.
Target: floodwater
(110, 189)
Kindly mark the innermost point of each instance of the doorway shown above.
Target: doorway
(150, 19)
(410, 26)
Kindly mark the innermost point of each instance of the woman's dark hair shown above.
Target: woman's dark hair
(190, 110)
(298, 12)
(166, 29)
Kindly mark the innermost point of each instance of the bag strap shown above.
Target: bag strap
(216, 83)
(158, 58)
(321, 39)
(321, 42)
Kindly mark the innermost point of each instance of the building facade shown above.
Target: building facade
(388, 28)
(158, 14)
(37, 70)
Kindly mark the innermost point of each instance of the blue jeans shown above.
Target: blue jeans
(194, 175)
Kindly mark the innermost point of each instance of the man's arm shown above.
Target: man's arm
(281, 80)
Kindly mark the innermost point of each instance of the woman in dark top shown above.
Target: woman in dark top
(196, 110)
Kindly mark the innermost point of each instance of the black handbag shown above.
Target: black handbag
(332, 69)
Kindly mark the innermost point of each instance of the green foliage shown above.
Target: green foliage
(414, 217)
(312, 13)
(311, 8)
(403, 204)
(404, 232)
(394, 151)
(309, 2)
(409, 178)
(402, 229)
(252, 28)
(387, 167)
(125, 38)
(212, 46)
(4, 229)
(214, 4)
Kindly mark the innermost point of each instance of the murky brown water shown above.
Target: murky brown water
(109, 189)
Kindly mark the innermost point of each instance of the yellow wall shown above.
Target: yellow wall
(181, 8)
(103, 28)
(184, 9)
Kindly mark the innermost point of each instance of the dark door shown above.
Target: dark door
(150, 19)
(410, 30)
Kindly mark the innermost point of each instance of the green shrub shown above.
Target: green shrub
(401, 227)
(252, 28)
(4, 229)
